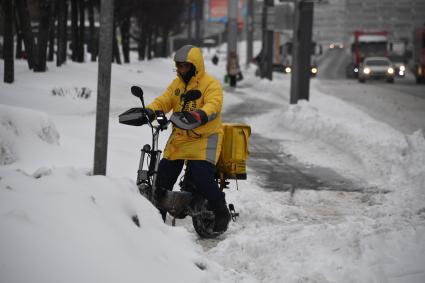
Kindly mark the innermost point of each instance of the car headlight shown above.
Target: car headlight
(288, 69)
(366, 71)
(402, 68)
(314, 70)
(390, 71)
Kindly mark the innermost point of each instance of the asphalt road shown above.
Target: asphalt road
(401, 104)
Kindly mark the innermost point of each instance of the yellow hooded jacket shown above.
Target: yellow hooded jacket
(204, 142)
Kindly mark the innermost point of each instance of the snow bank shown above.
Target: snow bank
(392, 161)
(23, 127)
(62, 225)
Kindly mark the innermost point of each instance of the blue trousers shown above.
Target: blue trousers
(201, 174)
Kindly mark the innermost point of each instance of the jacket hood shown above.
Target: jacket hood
(193, 55)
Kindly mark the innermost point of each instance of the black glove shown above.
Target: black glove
(149, 113)
(189, 120)
(146, 114)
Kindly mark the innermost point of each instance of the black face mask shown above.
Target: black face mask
(186, 78)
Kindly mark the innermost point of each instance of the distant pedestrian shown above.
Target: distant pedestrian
(215, 59)
(233, 68)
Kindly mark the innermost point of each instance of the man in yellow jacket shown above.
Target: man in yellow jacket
(200, 142)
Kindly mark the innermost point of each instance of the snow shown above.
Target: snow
(373, 38)
(61, 224)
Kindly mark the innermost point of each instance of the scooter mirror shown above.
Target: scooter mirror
(191, 95)
(137, 91)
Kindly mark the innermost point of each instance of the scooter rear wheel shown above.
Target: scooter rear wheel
(203, 219)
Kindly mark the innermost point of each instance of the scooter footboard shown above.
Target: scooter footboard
(176, 202)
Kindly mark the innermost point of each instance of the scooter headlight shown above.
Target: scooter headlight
(402, 68)
(288, 70)
(314, 70)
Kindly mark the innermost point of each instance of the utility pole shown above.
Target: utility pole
(103, 86)
(249, 31)
(301, 51)
(232, 27)
(267, 46)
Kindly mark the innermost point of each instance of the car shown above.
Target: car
(287, 69)
(379, 68)
(336, 45)
(399, 65)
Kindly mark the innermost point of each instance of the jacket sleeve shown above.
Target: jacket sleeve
(213, 100)
(163, 102)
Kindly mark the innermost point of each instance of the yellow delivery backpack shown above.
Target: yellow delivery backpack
(234, 153)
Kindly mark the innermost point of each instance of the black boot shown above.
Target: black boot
(159, 195)
(222, 215)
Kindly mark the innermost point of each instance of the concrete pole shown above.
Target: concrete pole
(262, 64)
(301, 51)
(103, 86)
(249, 31)
(295, 51)
(305, 34)
(232, 26)
(266, 66)
(269, 48)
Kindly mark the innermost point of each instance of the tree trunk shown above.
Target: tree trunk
(53, 13)
(164, 42)
(19, 47)
(125, 36)
(116, 52)
(149, 43)
(154, 41)
(62, 11)
(25, 22)
(74, 29)
(142, 41)
(93, 42)
(43, 36)
(189, 21)
(81, 29)
(141, 49)
(9, 73)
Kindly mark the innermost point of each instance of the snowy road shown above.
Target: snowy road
(390, 103)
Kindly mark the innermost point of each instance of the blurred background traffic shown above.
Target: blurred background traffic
(344, 32)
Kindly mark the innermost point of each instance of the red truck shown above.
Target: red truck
(418, 62)
(366, 44)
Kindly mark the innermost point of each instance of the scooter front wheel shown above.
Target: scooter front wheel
(203, 219)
